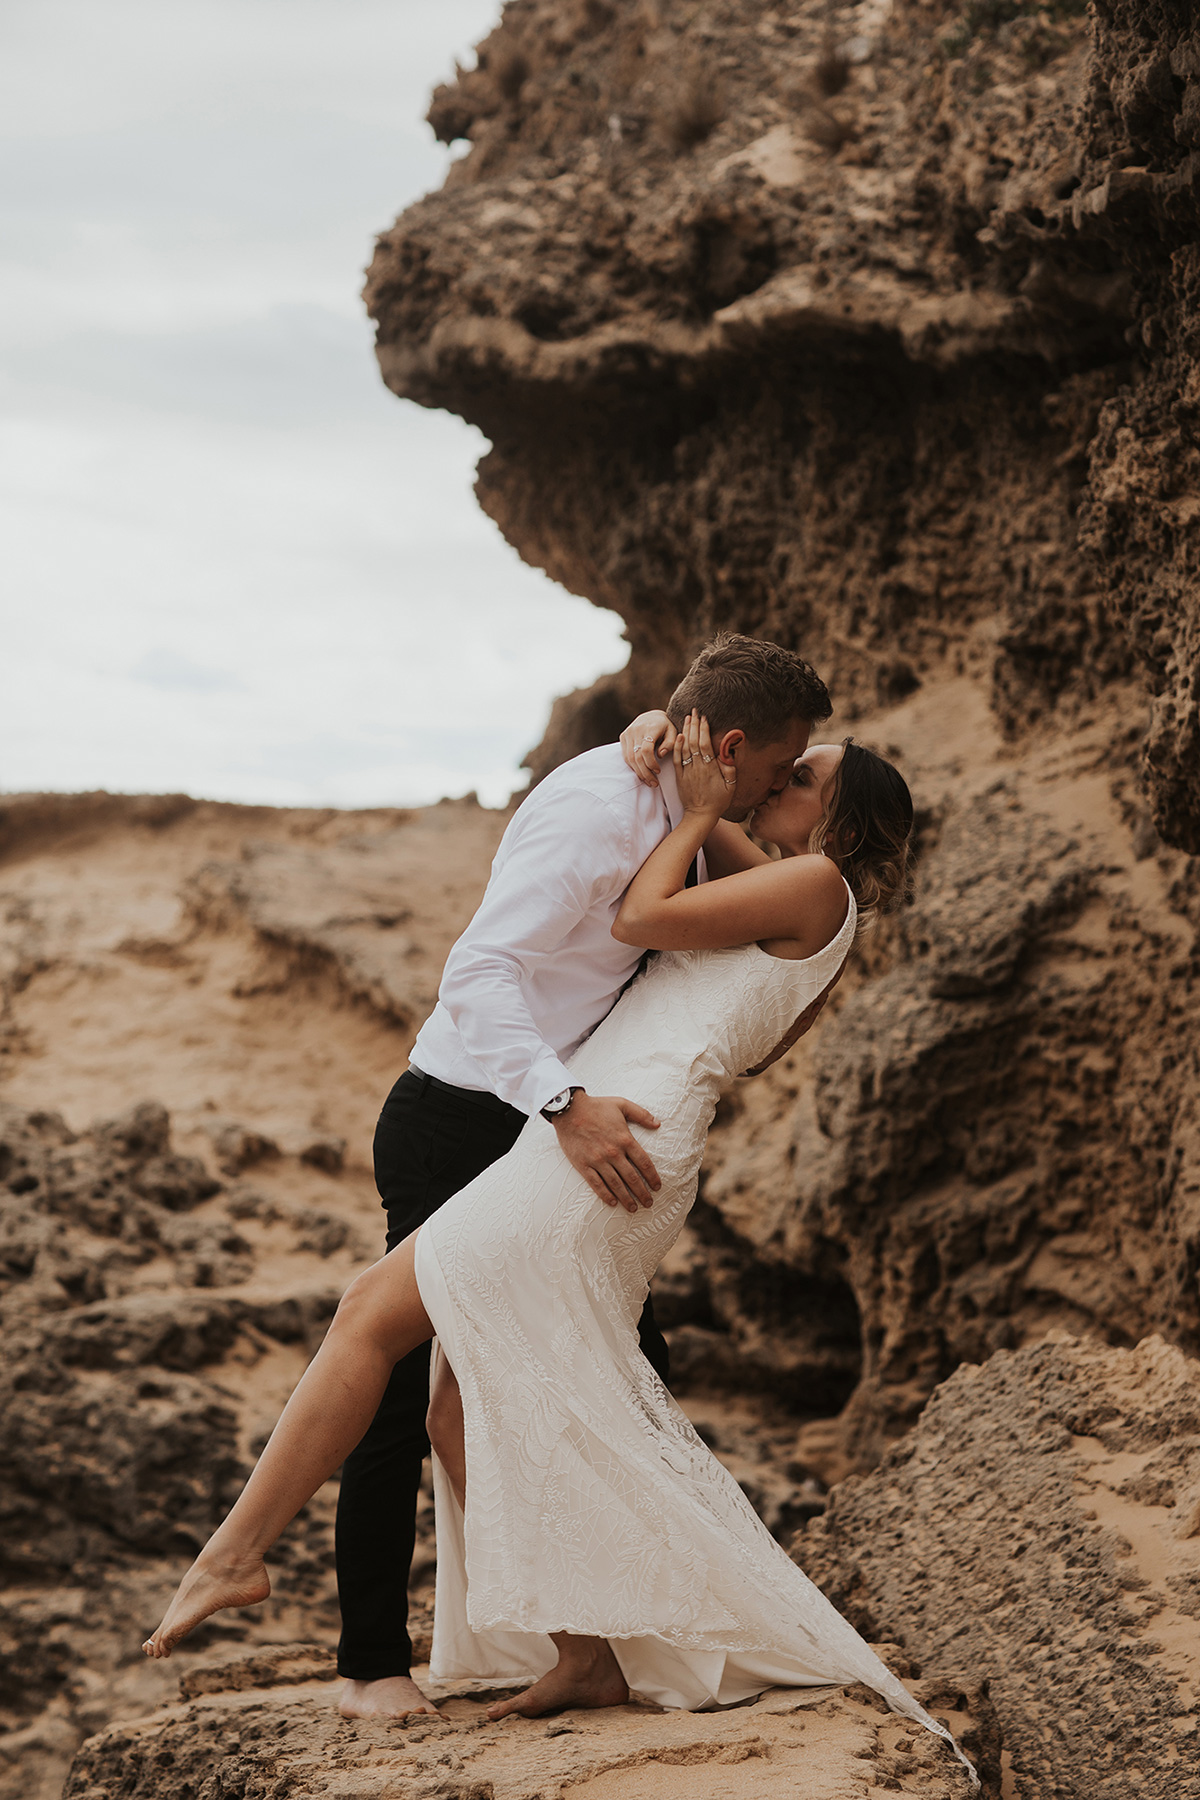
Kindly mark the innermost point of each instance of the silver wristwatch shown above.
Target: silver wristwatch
(554, 1109)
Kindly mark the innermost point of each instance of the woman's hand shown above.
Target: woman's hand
(647, 738)
(705, 784)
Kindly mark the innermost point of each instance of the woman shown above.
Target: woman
(604, 1547)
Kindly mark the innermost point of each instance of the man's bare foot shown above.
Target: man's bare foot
(393, 1697)
(587, 1674)
(208, 1586)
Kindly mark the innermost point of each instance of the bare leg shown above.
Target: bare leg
(587, 1672)
(445, 1424)
(380, 1319)
(587, 1675)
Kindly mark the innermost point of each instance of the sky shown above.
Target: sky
(234, 564)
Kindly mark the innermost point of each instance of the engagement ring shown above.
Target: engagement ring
(704, 758)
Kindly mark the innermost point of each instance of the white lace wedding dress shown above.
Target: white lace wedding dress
(592, 1504)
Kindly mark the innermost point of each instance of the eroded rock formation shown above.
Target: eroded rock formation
(871, 328)
(164, 1276)
(1040, 1526)
(825, 323)
(997, 1135)
(263, 1728)
(131, 1335)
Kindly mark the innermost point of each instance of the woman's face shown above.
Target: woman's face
(789, 818)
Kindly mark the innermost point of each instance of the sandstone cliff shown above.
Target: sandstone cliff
(263, 1728)
(871, 328)
(165, 1274)
(1040, 1528)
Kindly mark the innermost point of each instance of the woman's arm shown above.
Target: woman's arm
(650, 737)
(799, 901)
(727, 851)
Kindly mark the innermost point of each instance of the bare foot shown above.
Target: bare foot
(393, 1697)
(208, 1586)
(587, 1674)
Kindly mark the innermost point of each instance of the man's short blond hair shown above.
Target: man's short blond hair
(744, 683)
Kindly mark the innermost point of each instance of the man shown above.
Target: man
(534, 972)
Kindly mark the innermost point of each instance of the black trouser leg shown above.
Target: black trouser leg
(654, 1344)
(428, 1144)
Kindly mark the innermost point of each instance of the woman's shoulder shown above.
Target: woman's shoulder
(823, 899)
(819, 876)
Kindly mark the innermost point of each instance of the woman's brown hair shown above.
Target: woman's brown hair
(867, 826)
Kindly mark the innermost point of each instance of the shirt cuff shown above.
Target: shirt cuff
(547, 1077)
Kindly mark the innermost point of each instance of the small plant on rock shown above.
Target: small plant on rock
(832, 69)
(691, 109)
(510, 70)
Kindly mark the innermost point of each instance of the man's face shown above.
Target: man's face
(762, 769)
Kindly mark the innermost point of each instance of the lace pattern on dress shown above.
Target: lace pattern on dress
(592, 1504)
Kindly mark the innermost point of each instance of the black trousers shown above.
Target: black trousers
(429, 1142)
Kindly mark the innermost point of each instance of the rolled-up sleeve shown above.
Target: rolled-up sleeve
(561, 859)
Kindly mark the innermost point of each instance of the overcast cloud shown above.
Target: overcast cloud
(234, 563)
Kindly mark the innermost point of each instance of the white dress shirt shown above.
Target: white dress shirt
(538, 967)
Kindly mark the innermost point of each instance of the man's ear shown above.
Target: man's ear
(728, 745)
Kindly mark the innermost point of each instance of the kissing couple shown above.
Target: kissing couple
(538, 1159)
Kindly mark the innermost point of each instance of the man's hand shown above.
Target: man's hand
(596, 1140)
(647, 740)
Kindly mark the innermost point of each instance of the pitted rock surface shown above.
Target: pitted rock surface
(1041, 1526)
(827, 323)
(869, 329)
(288, 1742)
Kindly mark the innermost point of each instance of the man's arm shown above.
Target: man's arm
(566, 856)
